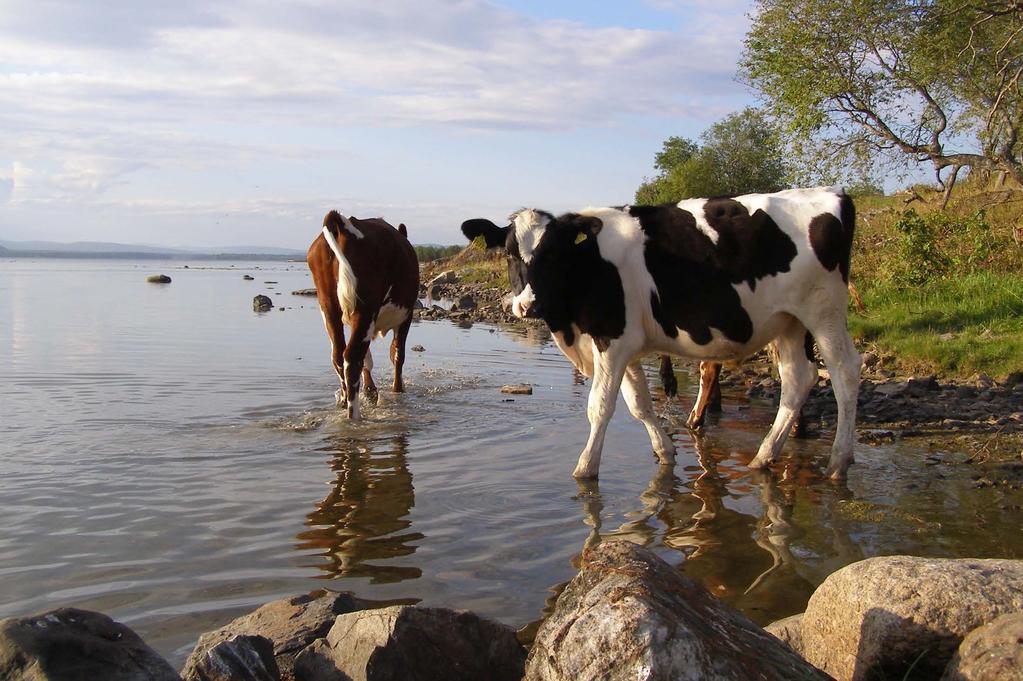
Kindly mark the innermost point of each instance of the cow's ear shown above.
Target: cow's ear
(492, 235)
(402, 230)
(585, 226)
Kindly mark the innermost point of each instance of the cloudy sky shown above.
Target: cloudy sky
(228, 122)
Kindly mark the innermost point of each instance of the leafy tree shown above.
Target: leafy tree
(739, 154)
(429, 252)
(856, 82)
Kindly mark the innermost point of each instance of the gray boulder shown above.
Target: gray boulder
(883, 616)
(993, 652)
(158, 279)
(405, 643)
(630, 615)
(240, 658)
(290, 624)
(789, 631)
(71, 644)
(262, 303)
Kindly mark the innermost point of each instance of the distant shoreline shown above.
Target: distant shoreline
(127, 255)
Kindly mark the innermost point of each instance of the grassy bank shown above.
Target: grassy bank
(942, 289)
(955, 326)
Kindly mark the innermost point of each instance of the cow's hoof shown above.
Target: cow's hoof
(760, 462)
(837, 471)
(372, 396)
(693, 423)
(583, 475)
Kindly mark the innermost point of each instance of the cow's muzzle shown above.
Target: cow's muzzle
(524, 304)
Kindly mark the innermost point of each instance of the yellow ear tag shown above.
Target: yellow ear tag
(581, 238)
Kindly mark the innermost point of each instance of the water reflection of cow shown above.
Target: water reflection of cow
(365, 516)
(740, 556)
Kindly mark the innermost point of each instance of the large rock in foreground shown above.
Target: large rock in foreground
(993, 652)
(240, 658)
(70, 645)
(630, 615)
(405, 643)
(881, 617)
(290, 623)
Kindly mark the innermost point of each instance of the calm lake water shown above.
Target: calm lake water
(174, 460)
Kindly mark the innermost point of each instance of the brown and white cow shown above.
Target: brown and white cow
(708, 279)
(367, 276)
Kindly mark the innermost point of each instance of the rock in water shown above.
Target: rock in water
(882, 616)
(262, 303)
(70, 645)
(239, 658)
(464, 303)
(290, 623)
(158, 279)
(519, 389)
(993, 652)
(406, 643)
(630, 615)
(248, 277)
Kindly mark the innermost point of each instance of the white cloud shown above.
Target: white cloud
(98, 99)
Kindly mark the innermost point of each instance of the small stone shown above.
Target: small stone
(158, 279)
(946, 337)
(248, 277)
(418, 348)
(788, 630)
(519, 389)
(262, 303)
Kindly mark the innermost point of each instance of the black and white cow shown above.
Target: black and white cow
(709, 279)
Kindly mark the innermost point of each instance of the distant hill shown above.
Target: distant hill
(97, 249)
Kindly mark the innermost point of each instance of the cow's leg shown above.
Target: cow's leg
(355, 354)
(714, 401)
(637, 397)
(398, 353)
(668, 380)
(843, 364)
(608, 371)
(336, 334)
(367, 376)
(798, 375)
(709, 372)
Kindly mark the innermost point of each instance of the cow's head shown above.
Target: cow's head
(542, 255)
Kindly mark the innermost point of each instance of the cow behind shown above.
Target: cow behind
(367, 276)
(707, 279)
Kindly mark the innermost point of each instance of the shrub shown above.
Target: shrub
(938, 245)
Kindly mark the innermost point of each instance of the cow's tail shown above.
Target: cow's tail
(847, 216)
(346, 282)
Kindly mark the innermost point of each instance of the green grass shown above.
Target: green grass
(983, 311)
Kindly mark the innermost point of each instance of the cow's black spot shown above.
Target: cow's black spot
(831, 238)
(572, 283)
(695, 277)
(750, 247)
